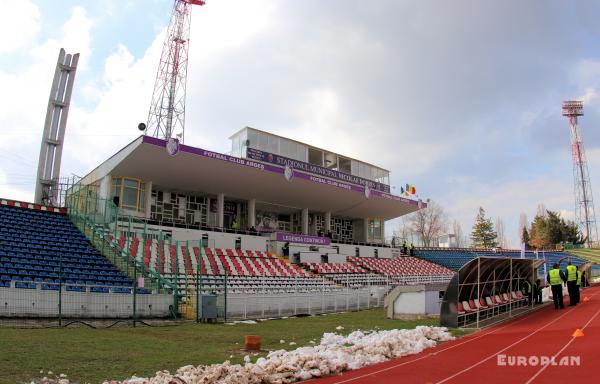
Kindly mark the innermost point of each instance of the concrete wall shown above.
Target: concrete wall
(221, 240)
(310, 257)
(364, 251)
(336, 258)
(433, 302)
(37, 303)
(410, 303)
(414, 301)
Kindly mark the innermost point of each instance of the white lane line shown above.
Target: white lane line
(435, 353)
(504, 349)
(513, 344)
(562, 349)
(443, 350)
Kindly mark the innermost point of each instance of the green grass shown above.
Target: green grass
(592, 255)
(93, 355)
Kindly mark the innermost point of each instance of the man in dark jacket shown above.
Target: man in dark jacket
(537, 292)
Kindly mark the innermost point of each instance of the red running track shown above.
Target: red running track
(477, 358)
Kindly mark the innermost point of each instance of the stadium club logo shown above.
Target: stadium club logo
(536, 361)
(172, 146)
(288, 173)
(367, 192)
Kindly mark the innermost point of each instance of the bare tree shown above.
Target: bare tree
(522, 225)
(458, 234)
(428, 224)
(404, 233)
(541, 210)
(500, 230)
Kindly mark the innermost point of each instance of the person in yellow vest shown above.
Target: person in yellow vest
(571, 283)
(578, 287)
(556, 278)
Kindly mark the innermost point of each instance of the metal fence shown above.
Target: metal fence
(157, 292)
(58, 299)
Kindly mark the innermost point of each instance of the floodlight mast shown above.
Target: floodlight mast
(166, 118)
(585, 215)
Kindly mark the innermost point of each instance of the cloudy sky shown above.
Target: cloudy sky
(460, 98)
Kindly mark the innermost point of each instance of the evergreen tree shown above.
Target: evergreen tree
(539, 233)
(483, 234)
(550, 229)
(525, 237)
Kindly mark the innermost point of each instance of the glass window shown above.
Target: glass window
(315, 156)
(131, 193)
(345, 165)
(129, 183)
(263, 142)
(129, 199)
(142, 202)
(375, 229)
(273, 144)
(331, 161)
(253, 139)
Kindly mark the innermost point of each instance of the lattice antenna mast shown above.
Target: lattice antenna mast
(166, 118)
(585, 215)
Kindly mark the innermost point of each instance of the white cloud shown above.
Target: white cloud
(19, 24)
(508, 200)
(16, 186)
(24, 105)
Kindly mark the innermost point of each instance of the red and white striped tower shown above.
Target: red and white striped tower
(585, 215)
(166, 118)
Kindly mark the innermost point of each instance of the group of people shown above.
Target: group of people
(534, 293)
(408, 250)
(574, 278)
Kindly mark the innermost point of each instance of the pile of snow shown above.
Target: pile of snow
(335, 354)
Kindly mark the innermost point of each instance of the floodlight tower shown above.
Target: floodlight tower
(166, 118)
(585, 215)
(46, 187)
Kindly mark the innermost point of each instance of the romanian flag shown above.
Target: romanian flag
(413, 190)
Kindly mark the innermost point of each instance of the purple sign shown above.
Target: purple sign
(303, 239)
(258, 155)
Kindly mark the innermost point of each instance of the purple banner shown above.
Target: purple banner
(278, 169)
(258, 155)
(303, 239)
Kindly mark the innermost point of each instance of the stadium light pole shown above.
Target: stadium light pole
(585, 215)
(53, 137)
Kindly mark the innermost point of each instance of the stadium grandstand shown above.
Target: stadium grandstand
(274, 228)
(454, 259)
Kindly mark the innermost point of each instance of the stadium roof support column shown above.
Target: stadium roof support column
(252, 213)
(327, 222)
(366, 230)
(220, 209)
(305, 221)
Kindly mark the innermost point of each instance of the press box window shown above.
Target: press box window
(131, 193)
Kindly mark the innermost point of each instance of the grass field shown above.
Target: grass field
(93, 355)
(592, 255)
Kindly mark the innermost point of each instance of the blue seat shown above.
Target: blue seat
(49, 287)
